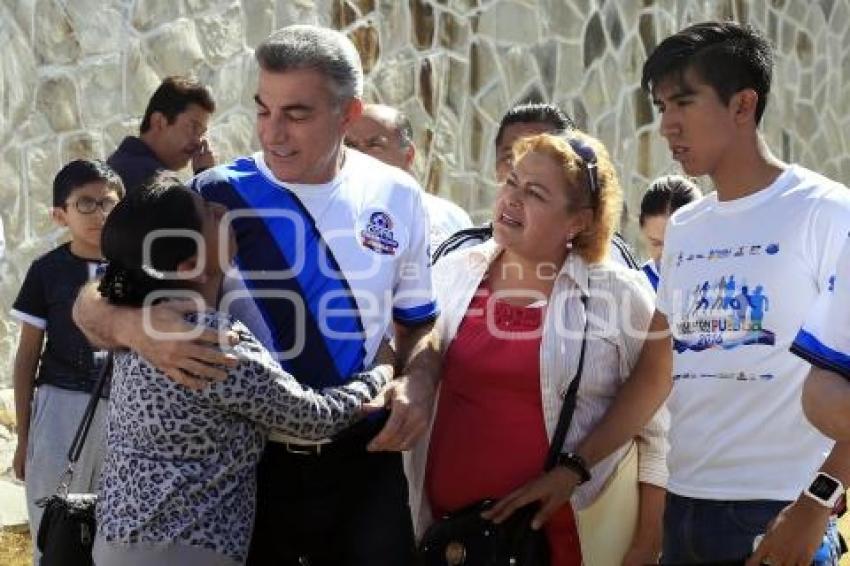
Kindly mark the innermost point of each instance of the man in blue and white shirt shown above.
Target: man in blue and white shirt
(333, 248)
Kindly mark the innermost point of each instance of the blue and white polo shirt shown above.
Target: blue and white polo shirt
(324, 269)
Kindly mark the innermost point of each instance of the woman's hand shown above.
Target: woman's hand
(642, 552)
(552, 490)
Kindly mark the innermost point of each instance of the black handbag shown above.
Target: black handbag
(465, 538)
(66, 532)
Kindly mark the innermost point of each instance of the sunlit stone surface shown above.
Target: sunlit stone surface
(75, 76)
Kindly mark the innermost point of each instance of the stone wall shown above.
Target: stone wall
(75, 76)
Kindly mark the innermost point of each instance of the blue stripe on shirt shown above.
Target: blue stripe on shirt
(268, 245)
(651, 275)
(808, 347)
(416, 315)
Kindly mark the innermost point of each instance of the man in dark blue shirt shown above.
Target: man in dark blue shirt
(171, 134)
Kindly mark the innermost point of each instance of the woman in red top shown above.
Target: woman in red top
(507, 362)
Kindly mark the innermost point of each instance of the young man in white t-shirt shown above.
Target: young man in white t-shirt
(740, 270)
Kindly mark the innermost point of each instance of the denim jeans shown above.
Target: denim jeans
(703, 531)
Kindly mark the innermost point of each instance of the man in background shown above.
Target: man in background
(385, 133)
(171, 134)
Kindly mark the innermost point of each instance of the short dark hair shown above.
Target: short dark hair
(666, 195)
(728, 56)
(535, 112)
(173, 96)
(162, 204)
(81, 172)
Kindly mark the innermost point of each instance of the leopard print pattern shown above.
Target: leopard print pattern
(180, 464)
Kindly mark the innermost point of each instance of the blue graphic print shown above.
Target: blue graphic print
(723, 315)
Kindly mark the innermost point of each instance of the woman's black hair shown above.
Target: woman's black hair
(666, 195)
(164, 204)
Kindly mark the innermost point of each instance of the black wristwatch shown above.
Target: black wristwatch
(825, 490)
(576, 463)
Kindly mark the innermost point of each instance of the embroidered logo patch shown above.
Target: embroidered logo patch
(379, 234)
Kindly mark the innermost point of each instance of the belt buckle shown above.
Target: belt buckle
(303, 449)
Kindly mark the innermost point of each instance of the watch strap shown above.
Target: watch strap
(815, 490)
(577, 464)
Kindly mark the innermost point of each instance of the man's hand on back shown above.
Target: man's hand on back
(168, 341)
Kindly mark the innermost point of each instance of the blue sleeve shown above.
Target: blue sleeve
(824, 340)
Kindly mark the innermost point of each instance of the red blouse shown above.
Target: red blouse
(489, 435)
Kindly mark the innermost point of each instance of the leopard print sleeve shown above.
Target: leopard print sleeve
(259, 389)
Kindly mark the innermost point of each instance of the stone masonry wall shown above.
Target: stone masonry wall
(75, 76)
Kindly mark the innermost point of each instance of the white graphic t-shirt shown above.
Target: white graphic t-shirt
(737, 280)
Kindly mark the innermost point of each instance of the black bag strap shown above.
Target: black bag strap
(85, 423)
(569, 405)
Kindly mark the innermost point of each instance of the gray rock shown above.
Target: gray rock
(7, 408)
(41, 164)
(81, 145)
(100, 87)
(174, 49)
(13, 505)
(17, 76)
(55, 40)
(149, 14)
(564, 20)
(57, 99)
(510, 22)
(233, 136)
(570, 69)
(396, 80)
(221, 35)
(222, 81)
(98, 25)
(195, 6)
(140, 79)
(259, 20)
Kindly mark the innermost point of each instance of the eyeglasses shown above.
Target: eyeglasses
(88, 205)
(588, 158)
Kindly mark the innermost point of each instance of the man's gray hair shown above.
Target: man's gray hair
(311, 47)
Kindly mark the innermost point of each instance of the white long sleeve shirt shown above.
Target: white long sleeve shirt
(619, 310)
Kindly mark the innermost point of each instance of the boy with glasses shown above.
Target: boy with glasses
(55, 366)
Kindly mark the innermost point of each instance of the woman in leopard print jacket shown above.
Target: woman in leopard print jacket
(178, 480)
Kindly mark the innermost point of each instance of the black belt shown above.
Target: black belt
(354, 438)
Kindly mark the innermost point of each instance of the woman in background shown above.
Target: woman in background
(178, 482)
(664, 197)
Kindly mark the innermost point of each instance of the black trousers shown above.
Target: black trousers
(341, 507)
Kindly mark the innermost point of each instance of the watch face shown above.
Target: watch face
(823, 487)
